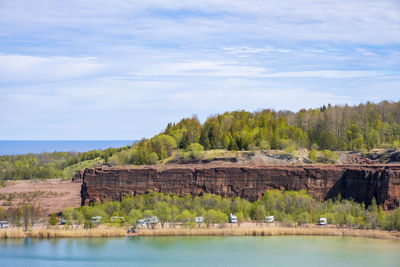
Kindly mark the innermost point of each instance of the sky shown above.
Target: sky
(121, 70)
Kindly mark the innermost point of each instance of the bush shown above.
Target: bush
(196, 151)
(88, 224)
(328, 157)
(312, 155)
(53, 219)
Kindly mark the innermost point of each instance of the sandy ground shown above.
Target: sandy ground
(52, 195)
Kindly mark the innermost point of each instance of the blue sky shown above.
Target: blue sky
(124, 69)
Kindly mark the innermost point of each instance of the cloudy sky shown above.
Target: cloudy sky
(85, 69)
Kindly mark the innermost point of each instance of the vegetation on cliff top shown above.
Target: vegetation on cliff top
(361, 127)
(51, 165)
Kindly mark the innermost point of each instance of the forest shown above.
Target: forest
(365, 126)
(51, 165)
(328, 128)
(355, 128)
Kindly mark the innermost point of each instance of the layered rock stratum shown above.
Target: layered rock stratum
(358, 182)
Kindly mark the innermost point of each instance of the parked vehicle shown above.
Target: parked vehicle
(269, 219)
(151, 220)
(323, 221)
(199, 219)
(62, 222)
(141, 222)
(232, 218)
(147, 221)
(96, 219)
(132, 230)
(4, 224)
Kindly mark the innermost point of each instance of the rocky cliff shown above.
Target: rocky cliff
(359, 182)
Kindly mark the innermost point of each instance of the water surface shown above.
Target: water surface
(201, 251)
(25, 147)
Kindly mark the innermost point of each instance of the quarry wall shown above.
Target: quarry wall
(359, 182)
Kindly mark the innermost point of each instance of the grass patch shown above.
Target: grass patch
(76, 233)
(70, 171)
(12, 233)
(270, 231)
(63, 233)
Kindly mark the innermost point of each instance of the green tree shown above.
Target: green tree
(260, 213)
(134, 216)
(174, 214)
(221, 218)
(186, 217)
(304, 218)
(163, 212)
(27, 214)
(210, 217)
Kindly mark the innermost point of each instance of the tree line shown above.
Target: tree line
(289, 208)
(361, 127)
(365, 126)
(48, 165)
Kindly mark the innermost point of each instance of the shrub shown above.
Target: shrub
(312, 155)
(88, 224)
(53, 219)
(328, 156)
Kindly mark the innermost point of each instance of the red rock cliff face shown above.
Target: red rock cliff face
(361, 183)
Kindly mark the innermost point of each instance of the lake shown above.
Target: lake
(16, 147)
(201, 251)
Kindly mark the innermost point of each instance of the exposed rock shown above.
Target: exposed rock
(78, 177)
(359, 182)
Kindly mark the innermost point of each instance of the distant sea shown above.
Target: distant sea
(24, 147)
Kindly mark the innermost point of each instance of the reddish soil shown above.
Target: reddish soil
(52, 195)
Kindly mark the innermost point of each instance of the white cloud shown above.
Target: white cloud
(235, 69)
(326, 74)
(123, 69)
(357, 21)
(22, 68)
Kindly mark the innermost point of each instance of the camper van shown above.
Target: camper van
(199, 219)
(148, 221)
(4, 224)
(141, 222)
(232, 218)
(96, 219)
(269, 219)
(323, 221)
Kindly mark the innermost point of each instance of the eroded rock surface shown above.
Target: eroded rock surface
(360, 182)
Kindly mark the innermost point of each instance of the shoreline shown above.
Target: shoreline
(45, 233)
(272, 231)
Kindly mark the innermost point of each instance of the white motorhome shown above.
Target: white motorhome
(199, 219)
(96, 219)
(151, 220)
(323, 221)
(269, 219)
(232, 218)
(4, 224)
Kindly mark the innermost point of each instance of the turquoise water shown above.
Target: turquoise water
(25, 147)
(201, 251)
